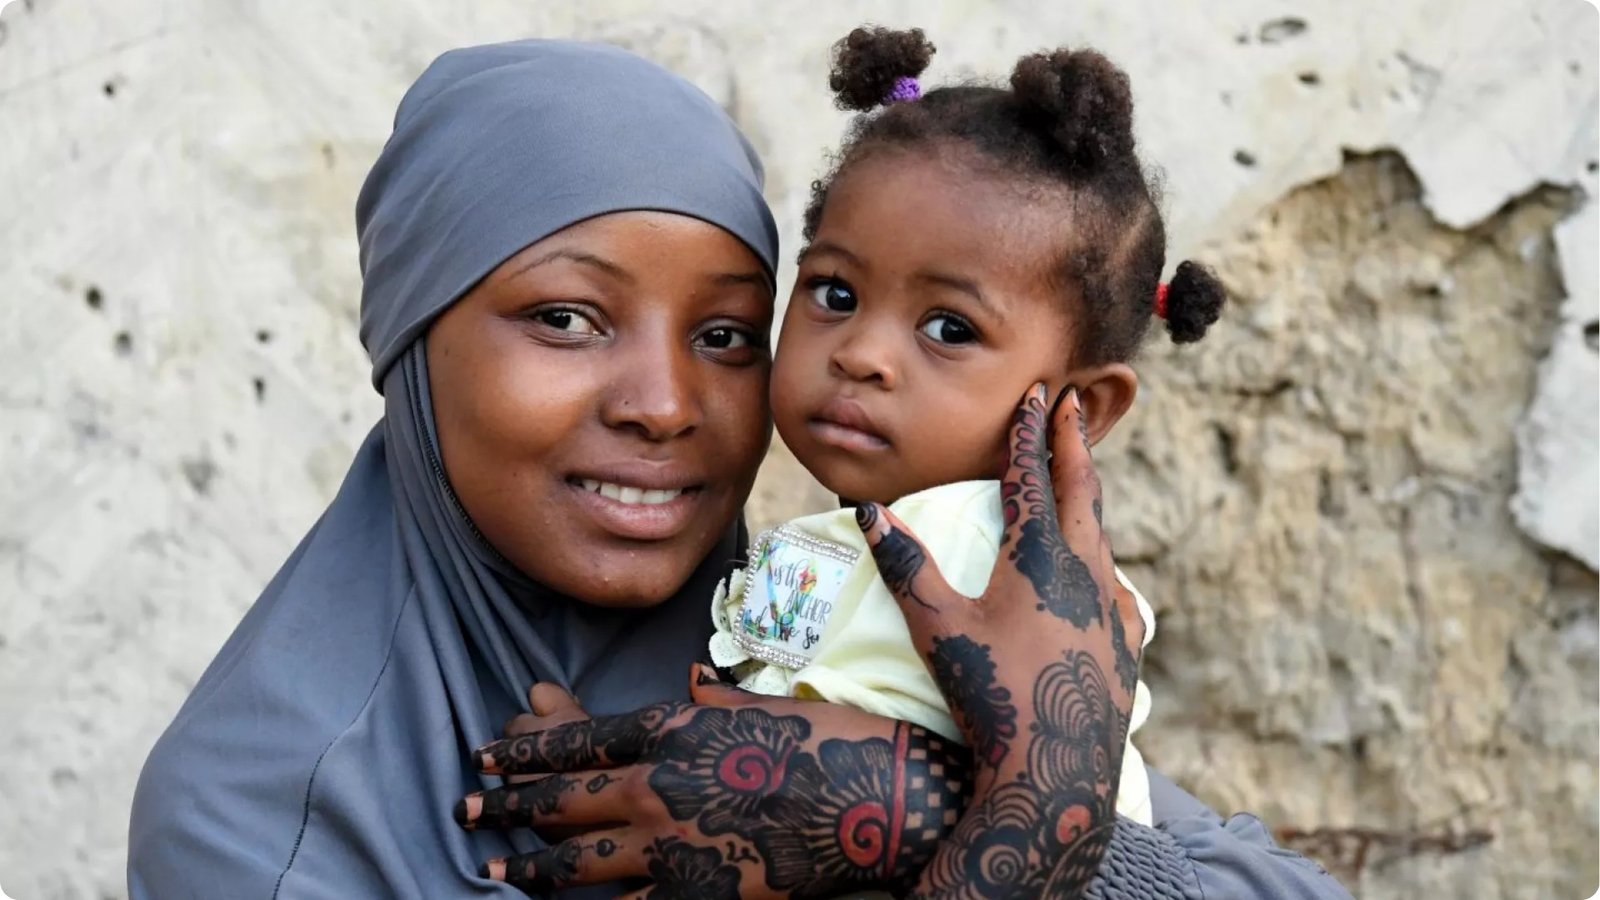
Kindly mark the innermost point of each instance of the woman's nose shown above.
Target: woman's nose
(865, 355)
(654, 394)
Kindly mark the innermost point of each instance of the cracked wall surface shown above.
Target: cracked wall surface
(1364, 507)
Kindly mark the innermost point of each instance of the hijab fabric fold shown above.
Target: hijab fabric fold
(322, 751)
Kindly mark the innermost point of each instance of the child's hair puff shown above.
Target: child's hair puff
(1065, 122)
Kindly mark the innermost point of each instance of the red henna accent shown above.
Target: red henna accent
(749, 769)
(1161, 301)
(897, 797)
(858, 826)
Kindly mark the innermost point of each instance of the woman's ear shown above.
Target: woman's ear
(1106, 393)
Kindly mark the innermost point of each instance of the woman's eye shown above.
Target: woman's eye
(568, 320)
(834, 296)
(726, 339)
(947, 329)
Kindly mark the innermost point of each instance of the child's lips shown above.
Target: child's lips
(845, 424)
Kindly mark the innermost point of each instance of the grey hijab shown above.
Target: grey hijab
(321, 753)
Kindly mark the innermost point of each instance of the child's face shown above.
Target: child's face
(923, 310)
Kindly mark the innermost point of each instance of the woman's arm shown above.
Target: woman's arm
(1193, 854)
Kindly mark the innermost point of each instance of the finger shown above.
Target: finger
(1025, 486)
(588, 744)
(907, 570)
(580, 798)
(549, 699)
(1076, 484)
(1059, 574)
(594, 858)
(706, 688)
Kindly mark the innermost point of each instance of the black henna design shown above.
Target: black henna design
(965, 674)
(550, 869)
(682, 871)
(1064, 584)
(900, 558)
(1058, 812)
(1127, 657)
(515, 806)
(855, 815)
(604, 847)
(598, 783)
(589, 744)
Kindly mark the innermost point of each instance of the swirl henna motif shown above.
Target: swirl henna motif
(745, 772)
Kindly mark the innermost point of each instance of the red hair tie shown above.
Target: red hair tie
(1161, 300)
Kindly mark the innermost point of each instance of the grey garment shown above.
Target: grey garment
(321, 753)
(1194, 854)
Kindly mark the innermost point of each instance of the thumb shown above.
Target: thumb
(547, 698)
(706, 688)
(907, 570)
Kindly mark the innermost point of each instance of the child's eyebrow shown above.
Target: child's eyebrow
(826, 248)
(963, 285)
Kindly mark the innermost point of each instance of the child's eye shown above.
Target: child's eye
(833, 295)
(948, 329)
(563, 319)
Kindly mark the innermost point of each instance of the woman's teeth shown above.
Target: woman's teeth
(624, 494)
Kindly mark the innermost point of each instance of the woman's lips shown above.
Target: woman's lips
(845, 424)
(649, 508)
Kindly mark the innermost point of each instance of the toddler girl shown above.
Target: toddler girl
(967, 243)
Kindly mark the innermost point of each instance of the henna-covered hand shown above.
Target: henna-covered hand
(1024, 668)
(732, 796)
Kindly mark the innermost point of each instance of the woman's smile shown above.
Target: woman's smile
(637, 501)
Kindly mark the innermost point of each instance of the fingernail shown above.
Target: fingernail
(494, 869)
(468, 809)
(704, 674)
(1072, 394)
(485, 757)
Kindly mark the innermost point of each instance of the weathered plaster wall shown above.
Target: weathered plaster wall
(1365, 508)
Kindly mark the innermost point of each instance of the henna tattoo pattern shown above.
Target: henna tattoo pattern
(1062, 808)
(1127, 658)
(965, 674)
(898, 556)
(1062, 581)
(854, 815)
(588, 744)
(682, 871)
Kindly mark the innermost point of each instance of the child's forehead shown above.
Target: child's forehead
(913, 209)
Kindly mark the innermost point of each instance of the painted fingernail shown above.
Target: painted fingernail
(494, 869)
(468, 809)
(704, 674)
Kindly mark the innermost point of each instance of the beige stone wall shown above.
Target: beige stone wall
(1364, 508)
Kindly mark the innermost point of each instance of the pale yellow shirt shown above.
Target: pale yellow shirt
(816, 621)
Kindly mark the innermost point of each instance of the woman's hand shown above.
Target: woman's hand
(1039, 671)
(731, 796)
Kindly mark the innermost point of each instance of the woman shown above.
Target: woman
(567, 271)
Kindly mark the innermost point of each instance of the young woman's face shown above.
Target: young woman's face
(924, 308)
(601, 401)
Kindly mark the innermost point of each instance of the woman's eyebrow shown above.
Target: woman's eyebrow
(738, 279)
(582, 258)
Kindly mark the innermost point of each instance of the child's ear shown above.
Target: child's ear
(1106, 393)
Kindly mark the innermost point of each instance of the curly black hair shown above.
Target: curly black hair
(1066, 121)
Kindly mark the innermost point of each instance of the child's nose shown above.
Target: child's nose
(864, 357)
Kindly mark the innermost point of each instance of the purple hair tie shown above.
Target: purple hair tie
(905, 88)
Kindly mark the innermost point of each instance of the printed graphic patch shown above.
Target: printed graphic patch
(788, 594)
